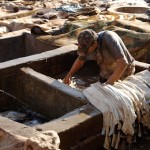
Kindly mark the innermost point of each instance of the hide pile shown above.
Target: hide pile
(124, 106)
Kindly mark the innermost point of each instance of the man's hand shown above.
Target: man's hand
(75, 67)
(67, 80)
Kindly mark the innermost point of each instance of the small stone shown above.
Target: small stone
(71, 18)
(64, 119)
(84, 1)
(39, 129)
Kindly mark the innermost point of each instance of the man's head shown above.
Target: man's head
(85, 39)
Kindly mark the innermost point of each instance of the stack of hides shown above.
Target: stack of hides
(124, 106)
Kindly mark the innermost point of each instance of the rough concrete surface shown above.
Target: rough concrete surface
(31, 58)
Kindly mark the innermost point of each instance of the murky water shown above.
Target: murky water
(86, 76)
(24, 116)
(80, 83)
(70, 8)
(21, 113)
(81, 80)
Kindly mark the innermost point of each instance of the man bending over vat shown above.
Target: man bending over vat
(111, 54)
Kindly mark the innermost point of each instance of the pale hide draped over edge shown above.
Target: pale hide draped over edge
(122, 103)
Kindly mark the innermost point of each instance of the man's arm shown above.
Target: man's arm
(119, 70)
(75, 67)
